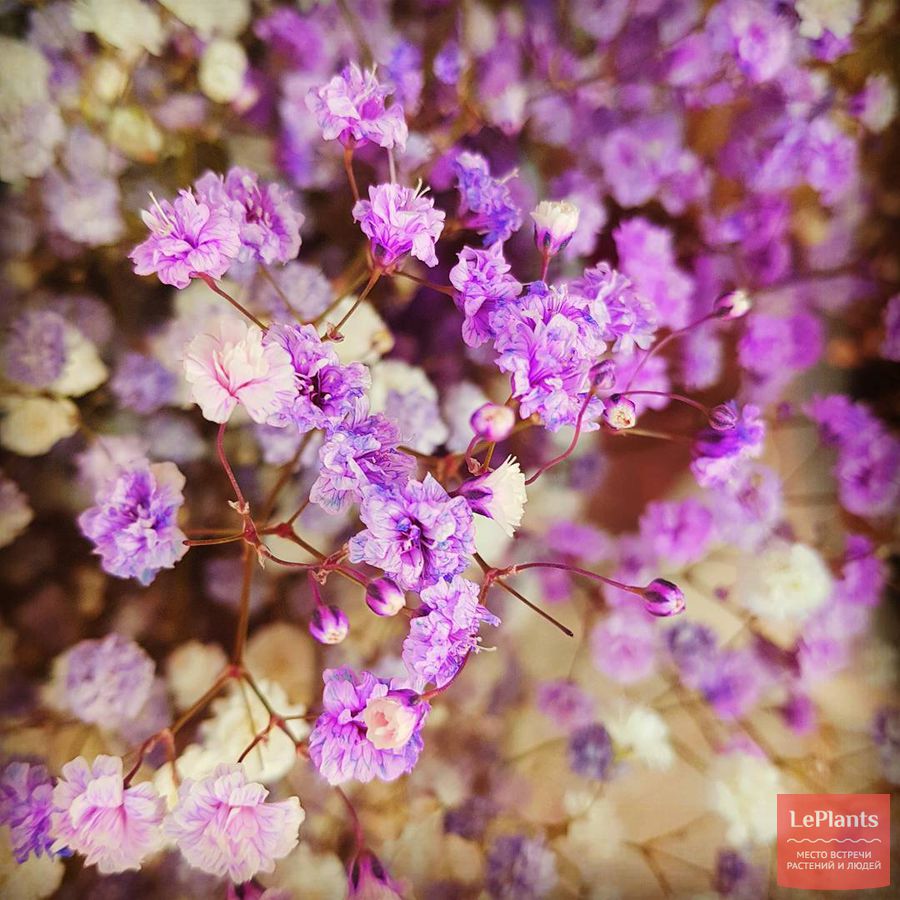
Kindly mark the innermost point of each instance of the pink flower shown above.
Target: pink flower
(188, 238)
(94, 814)
(223, 826)
(235, 365)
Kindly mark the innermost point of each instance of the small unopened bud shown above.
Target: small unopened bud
(603, 375)
(663, 598)
(329, 625)
(723, 417)
(493, 422)
(620, 413)
(384, 597)
(555, 222)
(733, 305)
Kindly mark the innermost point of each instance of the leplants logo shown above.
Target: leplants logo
(834, 842)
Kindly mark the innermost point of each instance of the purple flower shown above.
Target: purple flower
(351, 109)
(415, 533)
(868, 473)
(624, 645)
(863, 575)
(627, 319)
(485, 203)
(223, 826)
(693, 650)
(26, 801)
(590, 751)
(188, 239)
(446, 630)
(399, 220)
(329, 624)
(94, 814)
(748, 508)
(483, 281)
(133, 523)
(35, 349)
(269, 225)
(369, 880)
(886, 736)
(719, 455)
(676, 532)
(566, 704)
(520, 868)
(734, 683)
(143, 383)
(367, 729)
(360, 452)
(326, 391)
(548, 342)
(106, 682)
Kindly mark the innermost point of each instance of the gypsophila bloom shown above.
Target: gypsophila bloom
(642, 733)
(555, 222)
(590, 751)
(268, 223)
(329, 625)
(106, 682)
(399, 220)
(35, 350)
(26, 801)
(483, 281)
(624, 646)
(15, 512)
(188, 239)
(223, 826)
(367, 730)
(493, 422)
(446, 630)
(498, 494)
(351, 108)
(820, 16)
(114, 827)
(744, 792)
(360, 452)
(719, 456)
(519, 868)
(236, 365)
(677, 532)
(143, 383)
(324, 391)
(566, 704)
(485, 203)
(384, 597)
(415, 533)
(134, 521)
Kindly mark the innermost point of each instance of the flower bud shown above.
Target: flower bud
(555, 222)
(733, 305)
(723, 417)
(329, 625)
(603, 375)
(384, 597)
(620, 413)
(662, 598)
(493, 422)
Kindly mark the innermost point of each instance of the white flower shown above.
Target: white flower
(37, 877)
(83, 370)
(227, 18)
(593, 839)
(500, 495)
(191, 669)
(644, 733)
(745, 792)
(32, 425)
(32, 71)
(819, 16)
(223, 68)
(15, 513)
(28, 140)
(555, 222)
(127, 25)
(879, 103)
(132, 131)
(786, 582)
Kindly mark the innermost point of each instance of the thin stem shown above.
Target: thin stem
(585, 573)
(213, 286)
(666, 340)
(680, 398)
(542, 613)
(348, 168)
(440, 288)
(240, 638)
(354, 817)
(373, 280)
(223, 459)
(545, 264)
(209, 542)
(263, 268)
(284, 477)
(571, 448)
(661, 435)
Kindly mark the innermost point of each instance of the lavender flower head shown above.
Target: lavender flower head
(223, 826)
(106, 682)
(133, 522)
(325, 391)
(520, 868)
(114, 827)
(446, 631)
(143, 383)
(591, 751)
(351, 108)
(719, 455)
(269, 226)
(399, 220)
(485, 202)
(416, 533)
(360, 452)
(367, 729)
(35, 349)
(188, 239)
(483, 282)
(26, 801)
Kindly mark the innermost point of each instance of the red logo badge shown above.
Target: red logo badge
(834, 842)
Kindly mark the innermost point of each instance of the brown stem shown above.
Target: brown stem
(213, 286)
(240, 638)
(223, 459)
(351, 177)
(373, 280)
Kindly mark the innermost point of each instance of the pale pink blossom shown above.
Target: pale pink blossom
(234, 365)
